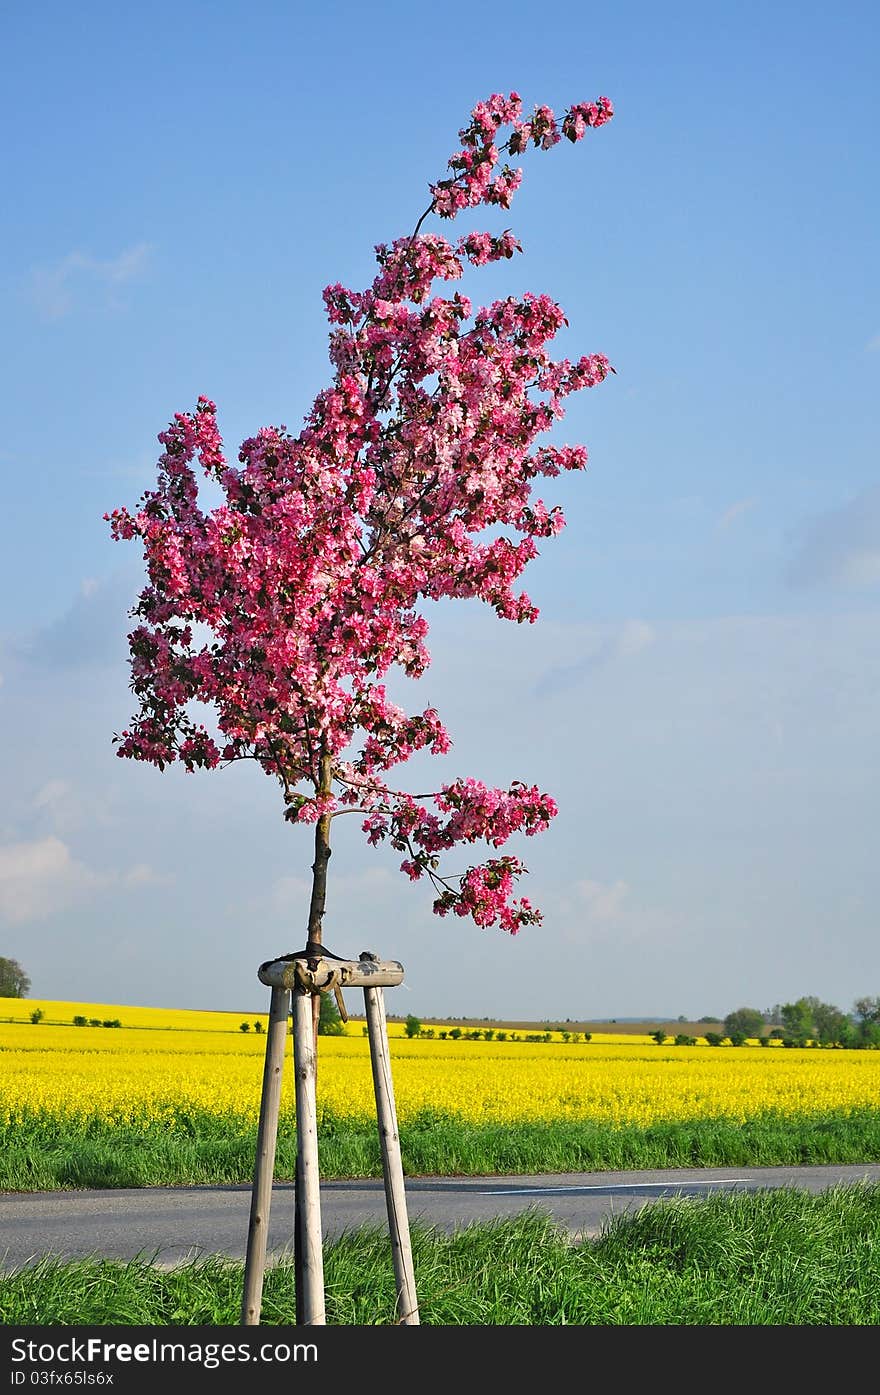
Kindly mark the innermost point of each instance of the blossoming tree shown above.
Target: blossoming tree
(284, 608)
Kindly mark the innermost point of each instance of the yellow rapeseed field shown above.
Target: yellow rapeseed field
(167, 1065)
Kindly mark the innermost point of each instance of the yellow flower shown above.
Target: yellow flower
(165, 1064)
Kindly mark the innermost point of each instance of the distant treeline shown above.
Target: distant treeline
(805, 1022)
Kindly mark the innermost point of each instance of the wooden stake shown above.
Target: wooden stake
(308, 1240)
(264, 1168)
(392, 1164)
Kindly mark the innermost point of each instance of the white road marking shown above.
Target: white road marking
(607, 1186)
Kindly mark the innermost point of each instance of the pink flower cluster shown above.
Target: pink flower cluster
(474, 181)
(410, 480)
(485, 895)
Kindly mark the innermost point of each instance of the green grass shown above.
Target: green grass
(767, 1258)
(42, 1153)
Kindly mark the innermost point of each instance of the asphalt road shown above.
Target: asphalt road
(170, 1225)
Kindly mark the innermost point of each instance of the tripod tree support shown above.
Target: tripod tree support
(297, 978)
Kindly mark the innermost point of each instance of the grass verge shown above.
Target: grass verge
(41, 1152)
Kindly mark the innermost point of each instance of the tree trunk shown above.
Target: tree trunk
(303, 1215)
(319, 880)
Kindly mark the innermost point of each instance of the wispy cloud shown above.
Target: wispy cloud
(60, 287)
(589, 912)
(841, 546)
(620, 643)
(735, 511)
(873, 345)
(60, 808)
(292, 893)
(92, 631)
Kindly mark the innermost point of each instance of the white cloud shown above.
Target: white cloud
(631, 638)
(48, 796)
(142, 874)
(41, 877)
(359, 888)
(58, 288)
(62, 808)
(716, 807)
(91, 631)
(602, 903)
(289, 892)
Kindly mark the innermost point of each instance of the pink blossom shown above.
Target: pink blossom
(409, 481)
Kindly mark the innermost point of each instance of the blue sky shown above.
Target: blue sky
(699, 693)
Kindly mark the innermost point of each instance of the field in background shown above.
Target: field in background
(57, 1013)
(162, 1066)
(171, 1097)
(611, 1028)
(62, 1013)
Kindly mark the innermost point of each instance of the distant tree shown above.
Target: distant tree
(659, 1036)
(412, 1026)
(80, 1021)
(14, 982)
(37, 1015)
(797, 1018)
(867, 1009)
(682, 1039)
(833, 1027)
(330, 1024)
(713, 1038)
(258, 1027)
(244, 1026)
(867, 1025)
(708, 1019)
(454, 1033)
(745, 1021)
(737, 1038)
